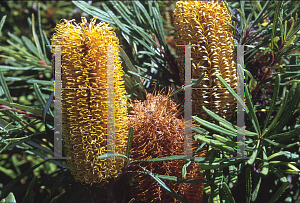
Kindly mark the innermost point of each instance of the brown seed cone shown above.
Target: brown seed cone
(158, 133)
(203, 24)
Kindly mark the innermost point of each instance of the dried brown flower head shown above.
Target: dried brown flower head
(159, 133)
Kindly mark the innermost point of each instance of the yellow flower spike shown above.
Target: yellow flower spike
(202, 23)
(84, 65)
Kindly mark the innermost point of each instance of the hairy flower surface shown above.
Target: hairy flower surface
(158, 133)
(84, 104)
(202, 24)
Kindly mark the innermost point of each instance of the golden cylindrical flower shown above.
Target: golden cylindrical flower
(202, 24)
(159, 133)
(84, 102)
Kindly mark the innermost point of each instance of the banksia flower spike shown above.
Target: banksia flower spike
(158, 133)
(84, 104)
(202, 24)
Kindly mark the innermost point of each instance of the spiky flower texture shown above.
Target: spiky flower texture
(84, 105)
(159, 133)
(202, 24)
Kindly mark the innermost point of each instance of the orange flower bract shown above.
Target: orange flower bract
(202, 23)
(84, 104)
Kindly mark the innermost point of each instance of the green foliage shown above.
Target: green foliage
(51, 13)
(266, 153)
(9, 199)
(271, 161)
(259, 149)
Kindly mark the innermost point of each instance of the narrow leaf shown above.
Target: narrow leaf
(159, 25)
(107, 156)
(216, 144)
(232, 92)
(277, 8)
(229, 197)
(173, 178)
(169, 190)
(172, 158)
(256, 189)
(39, 94)
(273, 101)
(278, 193)
(248, 185)
(289, 109)
(265, 169)
(287, 154)
(30, 46)
(252, 114)
(144, 11)
(36, 39)
(261, 14)
(129, 141)
(47, 106)
(213, 126)
(224, 140)
(9, 199)
(14, 37)
(254, 154)
(21, 107)
(219, 165)
(182, 88)
(278, 174)
(183, 170)
(2, 23)
(5, 87)
(277, 117)
(225, 123)
(42, 82)
(92, 10)
(280, 145)
(43, 156)
(29, 193)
